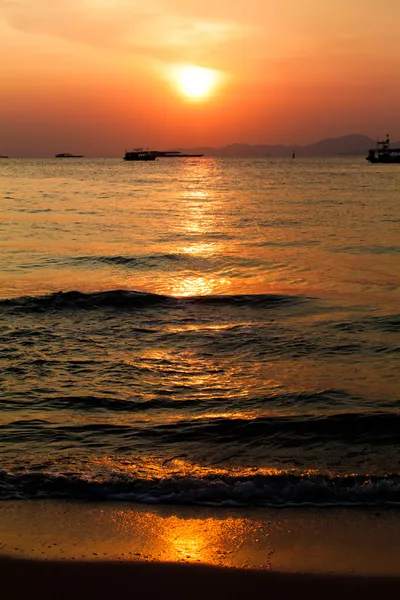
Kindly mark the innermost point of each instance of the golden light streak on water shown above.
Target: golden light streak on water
(176, 466)
(181, 539)
(197, 286)
(202, 249)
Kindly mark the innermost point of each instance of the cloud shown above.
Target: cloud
(118, 25)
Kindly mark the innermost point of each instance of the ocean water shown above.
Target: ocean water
(200, 331)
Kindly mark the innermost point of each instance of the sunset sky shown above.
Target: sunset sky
(99, 76)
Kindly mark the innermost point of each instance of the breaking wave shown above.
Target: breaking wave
(285, 490)
(130, 300)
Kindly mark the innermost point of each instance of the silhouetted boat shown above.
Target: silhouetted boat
(3, 156)
(173, 154)
(139, 154)
(383, 153)
(67, 155)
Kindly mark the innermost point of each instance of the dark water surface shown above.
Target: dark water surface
(200, 331)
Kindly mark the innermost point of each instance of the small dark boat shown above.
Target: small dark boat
(139, 154)
(67, 155)
(383, 153)
(3, 156)
(173, 154)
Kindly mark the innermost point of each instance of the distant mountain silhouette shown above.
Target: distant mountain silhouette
(348, 145)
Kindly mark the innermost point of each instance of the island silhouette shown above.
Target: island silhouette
(348, 145)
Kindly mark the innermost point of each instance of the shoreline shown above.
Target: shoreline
(362, 541)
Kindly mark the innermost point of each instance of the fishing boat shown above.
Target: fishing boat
(67, 155)
(139, 154)
(173, 154)
(383, 153)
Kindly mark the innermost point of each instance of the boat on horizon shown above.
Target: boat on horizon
(139, 154)
(146, 154)
(174, 154)
(68, 155)
(383, 153)
(3, 156)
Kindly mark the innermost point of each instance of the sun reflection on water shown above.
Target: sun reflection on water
(197, 194)
(207, 540)
(197, 286)
(202, 231)
(201, 249)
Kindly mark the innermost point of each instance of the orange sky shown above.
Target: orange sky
(94, 76)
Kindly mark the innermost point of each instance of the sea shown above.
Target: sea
(200, 331)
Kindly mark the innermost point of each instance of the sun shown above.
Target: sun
(196, 82)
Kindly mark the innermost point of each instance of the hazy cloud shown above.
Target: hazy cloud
(117, 24)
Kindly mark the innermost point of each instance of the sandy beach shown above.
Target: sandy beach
(84, 550)
(58, 581)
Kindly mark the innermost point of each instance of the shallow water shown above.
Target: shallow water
(200, 331)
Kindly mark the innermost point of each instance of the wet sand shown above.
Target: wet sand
(82, 580)
(57, 549)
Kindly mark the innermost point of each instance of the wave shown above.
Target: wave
(382, 323)
(282, 490)
(128, 300)
(168, 261)
(325, 399)
(264, 433)
(381, 249)
(378, 427)
(157, 261)
(96, 403)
